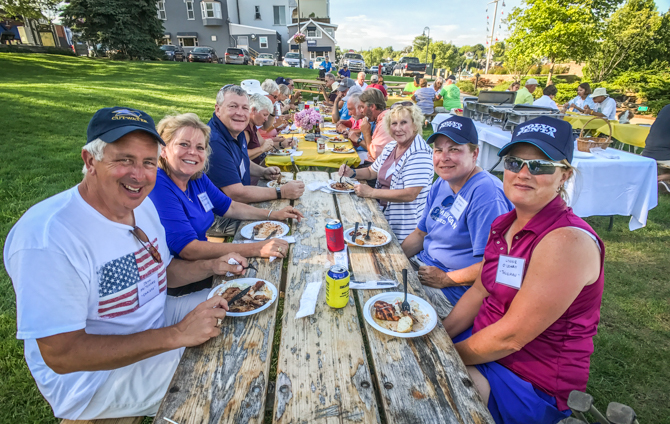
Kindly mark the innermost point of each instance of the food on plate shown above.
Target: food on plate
(264, 229)
(376, 237)
(280, 152)
(405, 325)
(341, 149)
(254, 299)
(342, 186)
(278, 182)
(392, 317)
(385, 311)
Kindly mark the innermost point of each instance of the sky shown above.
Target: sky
(381, 23)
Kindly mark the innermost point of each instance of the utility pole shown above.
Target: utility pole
(428, 43)
(493, 28)
(299, 44)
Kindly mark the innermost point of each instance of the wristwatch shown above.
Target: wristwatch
(278, 192)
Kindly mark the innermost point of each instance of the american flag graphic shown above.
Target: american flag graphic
(117, 294)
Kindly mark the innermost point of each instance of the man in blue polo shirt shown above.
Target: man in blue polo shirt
(447, 247)
(344, 72)
(229, 166)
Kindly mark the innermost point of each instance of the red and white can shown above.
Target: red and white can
(334, 235)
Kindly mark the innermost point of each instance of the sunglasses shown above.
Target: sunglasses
(448, 201)
(535, 166)
(405, 103)
(141, 236)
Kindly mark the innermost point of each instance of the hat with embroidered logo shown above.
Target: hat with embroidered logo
(111, 123)
(252, 86)
(552, 136)
(459, 129)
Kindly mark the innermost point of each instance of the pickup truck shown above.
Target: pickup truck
(354, 61)
(408, 67)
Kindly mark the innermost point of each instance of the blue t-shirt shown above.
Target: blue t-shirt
(458, 243)
(344, 112)
(345, 74)
(424, 99)
(229, 162)
(183, 214)
(327, 65)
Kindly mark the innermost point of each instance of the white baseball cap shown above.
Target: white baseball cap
(335, 85)
(531, 81)
(252, 87)
(600, 91)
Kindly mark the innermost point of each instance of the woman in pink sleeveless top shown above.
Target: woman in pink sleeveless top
(535, 307)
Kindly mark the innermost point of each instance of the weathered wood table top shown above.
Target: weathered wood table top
(332, 366)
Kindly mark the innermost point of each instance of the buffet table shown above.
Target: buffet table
(601, 187)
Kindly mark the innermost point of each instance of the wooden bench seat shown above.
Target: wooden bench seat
(127, 420)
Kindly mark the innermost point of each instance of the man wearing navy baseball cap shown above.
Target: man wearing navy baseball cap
(447, 247)
(90, 270)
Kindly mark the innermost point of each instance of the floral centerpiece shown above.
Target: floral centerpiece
(299, 38)
(307, 119)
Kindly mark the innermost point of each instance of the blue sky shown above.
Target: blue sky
(381, 23)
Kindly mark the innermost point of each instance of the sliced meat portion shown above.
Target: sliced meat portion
(259, 285)
(230, 293)
(385, 311)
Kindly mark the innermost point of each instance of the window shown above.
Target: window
(264, 42)
(313, 33)
(210, 9)
(213, 37)
(280, 15)
(161, 10)
(188, 41)
(257, 12)
(190, 13)
(312, 55)
(329, 31)
(165, 40)
(242, 41)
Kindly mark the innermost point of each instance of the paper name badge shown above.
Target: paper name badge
(458, 207)
(147, 289)
(206, 203)
(510, 271)
(243, 169)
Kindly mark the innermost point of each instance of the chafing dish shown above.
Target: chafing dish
(488, 99)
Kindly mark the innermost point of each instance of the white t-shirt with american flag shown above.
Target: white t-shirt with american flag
(74, 269)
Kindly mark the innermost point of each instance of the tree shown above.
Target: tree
(446, 55)
(629, 34)
(420, 42)
(556, 29)
(388, 52)
(406, 50)
(132, 28)
(519, 64)
(29, 9)
(373, 56)
(498, 50)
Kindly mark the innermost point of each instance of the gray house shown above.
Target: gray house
(320, 39)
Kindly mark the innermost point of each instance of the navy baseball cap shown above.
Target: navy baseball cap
(461, 130)
(111, 123)
(552, 136)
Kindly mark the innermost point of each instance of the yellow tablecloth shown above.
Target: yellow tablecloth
(578, 121)
(311, 158)
(634, 135)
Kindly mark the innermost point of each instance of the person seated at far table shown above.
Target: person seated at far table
(351, 127)
(581, 99)
(360, 81)
(404, 170)
(374, 135)
(260, 108)
(525, 329)
(328, 97)
(450, 94)
(374, 83)
(603, 105)
(346, 88)
(514, 86)
(186, 200)
(547, 99)
(447, 245)
(90, 267)
(327, 66)
(411, 86)
(344, 72)
(425, 97)
(230, 168)
(524, 96)
(281, 123)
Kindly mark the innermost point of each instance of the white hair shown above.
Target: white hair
(234, 89)
(259, 102)
(269, 86)
(97, 149)
(330, 76)
(361, 73)
(356, 98)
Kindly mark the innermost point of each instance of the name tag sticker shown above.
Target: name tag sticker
(206, 203)
(147, 289)
(458, 207)
(243, 169)
(510, 271)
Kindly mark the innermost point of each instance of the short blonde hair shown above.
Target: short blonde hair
(169, 126)
(414, 112)
(423, 82)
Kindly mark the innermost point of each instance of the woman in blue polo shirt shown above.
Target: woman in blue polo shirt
(448, 244)
(186, 200)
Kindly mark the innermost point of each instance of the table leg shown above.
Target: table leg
(609, 228)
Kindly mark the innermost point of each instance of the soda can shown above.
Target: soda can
(337, 286)
(334, 235)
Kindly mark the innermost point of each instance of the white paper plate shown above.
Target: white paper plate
(337, 191)
(243, 283)
(582, 155)
(345, 152)
(364, 228)
(284, 152)
(248, 230)
(273, 184)
(390, 297)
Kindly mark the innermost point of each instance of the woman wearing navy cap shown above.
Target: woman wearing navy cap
(525, 329)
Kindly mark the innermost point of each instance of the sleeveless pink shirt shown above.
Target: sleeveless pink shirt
(558, 360)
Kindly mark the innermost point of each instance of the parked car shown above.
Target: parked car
(265, 59)
(203, 54)
(292, 59)
(238, 56)
(388, 68)
(372, 70)
(408, 67)
(174, 53)
(354, 61)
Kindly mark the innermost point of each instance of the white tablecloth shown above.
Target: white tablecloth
(626, 186)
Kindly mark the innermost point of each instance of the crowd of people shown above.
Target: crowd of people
(126, 266)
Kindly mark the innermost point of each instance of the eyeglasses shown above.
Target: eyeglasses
(141, 236)
(535, 166)
(405, 103)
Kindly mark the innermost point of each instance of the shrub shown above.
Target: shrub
(655, 106)
(466, 87)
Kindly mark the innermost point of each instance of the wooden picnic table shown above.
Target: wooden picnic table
(309, 86)
(323, 371)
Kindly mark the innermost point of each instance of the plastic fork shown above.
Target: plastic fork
(367, 236)
(405, 304)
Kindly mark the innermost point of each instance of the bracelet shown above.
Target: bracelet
(269, 213)
(280, 141)
(354, 176)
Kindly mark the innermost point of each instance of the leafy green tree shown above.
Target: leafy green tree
(420, 42)
(629, 35)
(556, 29)
(388, 52)
(498, 50)
(29, 9)
(447, 55)
(373, 56)
(132, 28)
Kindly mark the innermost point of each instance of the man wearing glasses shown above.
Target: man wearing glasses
(91, 267)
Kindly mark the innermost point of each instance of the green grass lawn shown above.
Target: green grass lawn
(46, 104)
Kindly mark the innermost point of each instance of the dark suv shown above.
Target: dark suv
(203, 54)
(174, 53)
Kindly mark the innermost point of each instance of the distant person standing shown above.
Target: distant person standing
(450, 94)
(327, 66)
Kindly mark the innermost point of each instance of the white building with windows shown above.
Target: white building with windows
(320, 39)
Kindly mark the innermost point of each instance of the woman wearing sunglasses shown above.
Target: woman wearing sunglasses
(447, 245)
(525, 329)
(403, 170)
(186, 199)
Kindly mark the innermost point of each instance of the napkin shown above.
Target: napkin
(231, 261)
(297, 153)
(308, 299)
(598, 151)
(372, 284)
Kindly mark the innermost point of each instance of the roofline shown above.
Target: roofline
(318, 25)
